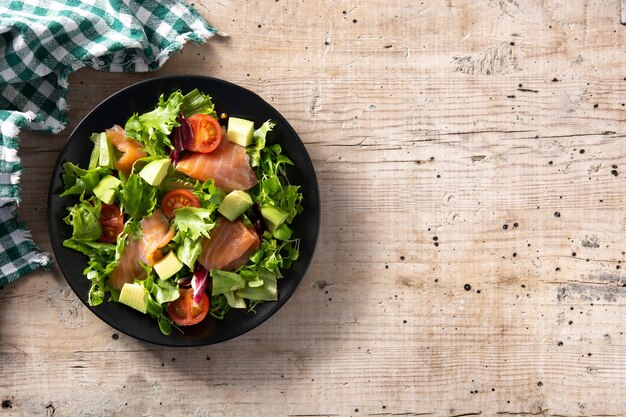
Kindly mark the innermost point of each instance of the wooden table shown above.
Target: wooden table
(472, 171)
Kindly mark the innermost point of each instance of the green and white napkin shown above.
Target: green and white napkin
(41, 43)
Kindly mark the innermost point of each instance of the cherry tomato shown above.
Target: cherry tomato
(111, 223)
(184, 312)
(207, 133)
(176, 199)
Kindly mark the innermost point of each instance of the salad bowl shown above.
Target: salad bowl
(234, 101)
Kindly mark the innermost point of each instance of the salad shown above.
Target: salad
(182, 213)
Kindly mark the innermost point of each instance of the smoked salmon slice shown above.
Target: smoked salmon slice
(131, 149)
(156, 233)
(228, 166)
(229, 247)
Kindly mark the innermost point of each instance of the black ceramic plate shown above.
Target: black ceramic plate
(142, 97)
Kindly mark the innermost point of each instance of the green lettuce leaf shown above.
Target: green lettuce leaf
(266, 292)
(196, 102)
(92, 249)
(274, 188)
(188, 251)
(84, 217)
(224, 282)
(165, 291)
(234, 300)
(138, 197)
(252, 277)
(77, 180)
(258, 143)
(152, 129)
(194, 222)
(209, 194)
(159, 294)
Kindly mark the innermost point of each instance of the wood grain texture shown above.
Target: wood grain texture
(472, 169)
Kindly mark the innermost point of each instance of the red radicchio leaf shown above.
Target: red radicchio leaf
(180, 137)
(199, 283)
(256, 217)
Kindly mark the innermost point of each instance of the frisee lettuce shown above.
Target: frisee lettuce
(84, 217)
(152, 129)
(259, 138)
(193, 222)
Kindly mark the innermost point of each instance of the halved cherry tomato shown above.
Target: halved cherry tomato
(184, 312)
(207, 133)
(111, 223)
(176, 199)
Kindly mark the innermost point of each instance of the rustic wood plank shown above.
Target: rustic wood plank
(471, 166)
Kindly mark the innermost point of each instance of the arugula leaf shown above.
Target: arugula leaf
(77, 180)
(153, 128)
(165, 324)
(196, 102)
(277, 255)
(84, 217)
(291, 201)
(194, 222)
(209, 194)
(274, 188)
(219, 306)
(252, 277)
(138, 197)
(258, 143)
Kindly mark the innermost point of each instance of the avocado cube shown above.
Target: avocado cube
(107, 153)
(94, 159)
(240, 131)
(274, 216)
(155, 171)
(235, 204)
(135, 296)
(106, 188)
(168, 266)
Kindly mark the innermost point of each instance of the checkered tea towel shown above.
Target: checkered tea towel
(41, 43)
